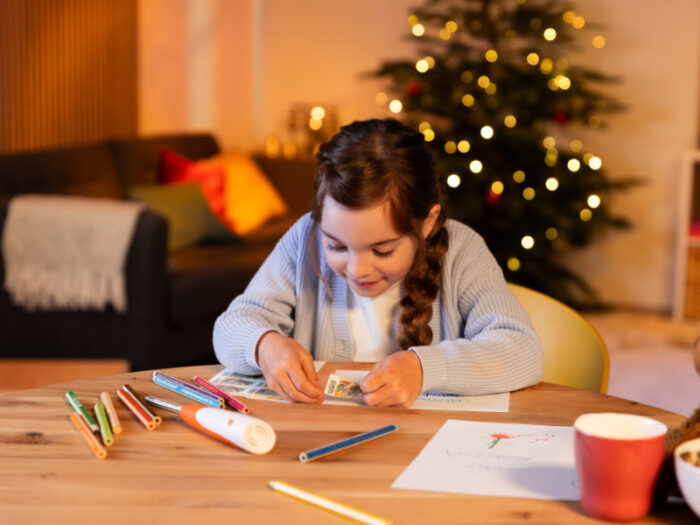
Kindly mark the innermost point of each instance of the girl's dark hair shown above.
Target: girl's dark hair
(368, 162)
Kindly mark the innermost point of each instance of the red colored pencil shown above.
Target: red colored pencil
(235, 403)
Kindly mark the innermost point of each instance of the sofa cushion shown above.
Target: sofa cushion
(137, 158)
(88, 171)
(174, 168)
(237, 191)
(190, 221)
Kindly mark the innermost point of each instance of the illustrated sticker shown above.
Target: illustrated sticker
(339, 387)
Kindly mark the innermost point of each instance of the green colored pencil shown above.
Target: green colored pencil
(76, 405)
(102, 420)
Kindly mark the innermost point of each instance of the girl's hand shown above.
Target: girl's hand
(396, 380)
(288, 368)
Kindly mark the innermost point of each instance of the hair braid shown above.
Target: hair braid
(422, 284)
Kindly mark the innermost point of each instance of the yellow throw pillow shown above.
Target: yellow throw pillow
(250, 198)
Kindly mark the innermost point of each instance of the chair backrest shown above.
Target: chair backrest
(574, 353)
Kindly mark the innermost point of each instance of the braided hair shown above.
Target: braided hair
(371, 161)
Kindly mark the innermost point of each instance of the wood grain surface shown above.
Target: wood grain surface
(177, 475)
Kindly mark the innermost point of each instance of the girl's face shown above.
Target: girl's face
(363, 248)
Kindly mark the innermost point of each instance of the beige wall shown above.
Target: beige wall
(263, 56)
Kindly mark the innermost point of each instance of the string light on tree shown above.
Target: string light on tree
(513, 264)
(527, 242)
(573, 165)
(464, 146)
(395, 106)
(593, 201)
(486, 132)
(453, 180)
(476, 166)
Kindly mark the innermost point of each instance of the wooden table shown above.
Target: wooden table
(177, 475)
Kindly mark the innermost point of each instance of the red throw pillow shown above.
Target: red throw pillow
(173, 168)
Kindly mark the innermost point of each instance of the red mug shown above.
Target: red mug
(618, 458)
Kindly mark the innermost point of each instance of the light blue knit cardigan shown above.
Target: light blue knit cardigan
(483, 341)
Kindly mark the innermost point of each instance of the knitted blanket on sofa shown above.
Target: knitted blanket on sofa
(65, 252)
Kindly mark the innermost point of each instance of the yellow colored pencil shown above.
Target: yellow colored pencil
(90, 438)
(111, 413)
(327, 504)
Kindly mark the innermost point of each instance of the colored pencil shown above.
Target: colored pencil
(327, 504)
(111, 412)
(105, 431)
(189, 386)
(90, 438)
(133, 405)
(75, 403)
(188, 393)
(232, 401)
(344, 444)
(156, 419)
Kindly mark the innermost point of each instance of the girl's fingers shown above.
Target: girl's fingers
(304, 386)
(307, 365)
(376, 397)
(291, 391)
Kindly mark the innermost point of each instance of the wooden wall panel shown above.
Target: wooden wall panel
(68, 72)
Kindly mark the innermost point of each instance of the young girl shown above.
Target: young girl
(376, 273)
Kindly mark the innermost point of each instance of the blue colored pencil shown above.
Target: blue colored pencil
(185, 384)
(191, 394)
(343, 444)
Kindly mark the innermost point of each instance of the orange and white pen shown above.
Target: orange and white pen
(145, 416)
(241, 430)
(90, 438)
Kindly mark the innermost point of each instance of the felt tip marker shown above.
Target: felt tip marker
(189, 393)
(86, 432)
(76, 405)
(145, 417)
(232, 401)
(189, 386)
(111, 412)
(105, 431)
(345, 444)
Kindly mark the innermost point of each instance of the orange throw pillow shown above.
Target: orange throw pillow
(237, 190)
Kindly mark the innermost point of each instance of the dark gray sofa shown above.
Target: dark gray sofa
(173, 298)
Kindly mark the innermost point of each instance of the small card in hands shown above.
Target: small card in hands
(339, 387)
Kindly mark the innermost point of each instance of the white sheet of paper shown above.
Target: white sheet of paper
(438, 400)
(496, 459)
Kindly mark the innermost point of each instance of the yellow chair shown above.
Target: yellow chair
(574, 353)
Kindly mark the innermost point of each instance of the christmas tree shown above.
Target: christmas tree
(495, 94)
